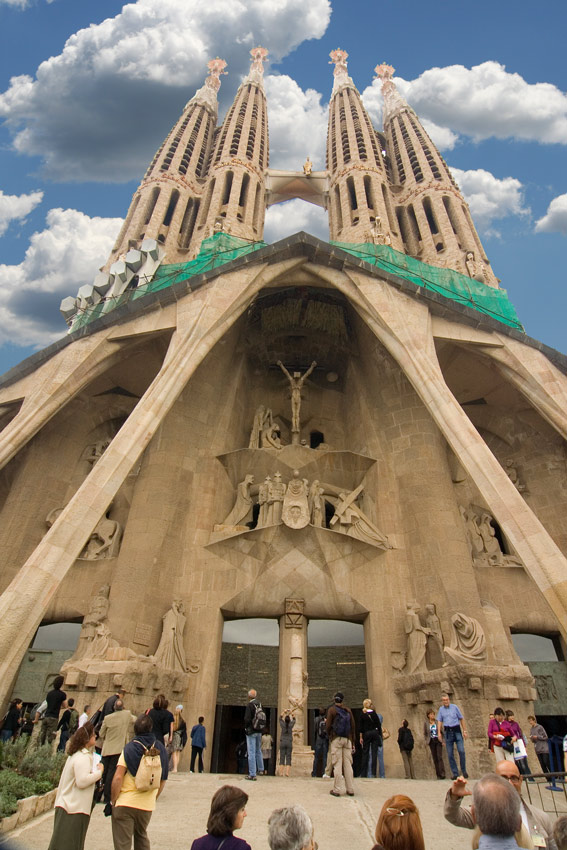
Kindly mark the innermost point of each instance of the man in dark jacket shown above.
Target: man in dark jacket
(56, 700)
(340, 728)
(253, 736)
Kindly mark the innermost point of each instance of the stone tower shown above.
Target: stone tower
(360, 203)
(166, 204)
(433, 217)
(234, 194)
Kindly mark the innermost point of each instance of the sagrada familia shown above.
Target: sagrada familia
(356, 430)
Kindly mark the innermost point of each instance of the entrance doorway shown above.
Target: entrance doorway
(249, 659)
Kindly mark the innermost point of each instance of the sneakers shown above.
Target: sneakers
(251, 778)
(325, 776)
(334, 793)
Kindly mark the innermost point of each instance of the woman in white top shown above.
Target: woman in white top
(74, 799)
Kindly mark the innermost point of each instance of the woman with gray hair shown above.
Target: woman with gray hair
(290, 828)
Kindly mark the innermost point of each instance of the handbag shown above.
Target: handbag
(519, 749)
(507, 744)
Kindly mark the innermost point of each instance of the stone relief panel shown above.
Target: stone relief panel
(425, 644)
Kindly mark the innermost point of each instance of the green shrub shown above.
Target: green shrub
(42, 786)
(8, 804)
(13, 752)
(43, 765)
(13, 784)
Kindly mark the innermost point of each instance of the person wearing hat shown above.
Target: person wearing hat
(341, 730)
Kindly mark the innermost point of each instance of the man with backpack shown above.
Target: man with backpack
(340, 729)
(138, 781)
(321, 741)
(254, 722)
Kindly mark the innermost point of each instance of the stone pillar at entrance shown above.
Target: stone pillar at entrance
(293, 689)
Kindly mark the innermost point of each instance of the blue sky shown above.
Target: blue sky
(88, 91)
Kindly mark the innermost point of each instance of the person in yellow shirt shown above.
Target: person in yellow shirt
(131, 808)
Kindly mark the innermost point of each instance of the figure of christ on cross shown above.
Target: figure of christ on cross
(296, 382)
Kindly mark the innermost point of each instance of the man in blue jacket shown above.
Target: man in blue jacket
(198, 744)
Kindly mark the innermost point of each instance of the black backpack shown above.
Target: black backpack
(341, 723)
(259, 719)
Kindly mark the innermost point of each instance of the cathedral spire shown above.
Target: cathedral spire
(234, 197)
(433, 217)
(166, 203)
(360, 204)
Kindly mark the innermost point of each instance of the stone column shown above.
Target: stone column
(292, 686)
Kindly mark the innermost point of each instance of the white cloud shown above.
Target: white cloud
(14, 207)
(490, 197)
(151, 57)
(59, 259)
(297, 124)
(555, 219)
(481, 102)
(292, 216)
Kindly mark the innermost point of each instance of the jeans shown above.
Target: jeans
(370, 744)
(6, 734)
(255, 760)
(321, 750)
(196, 751)
(455, 736)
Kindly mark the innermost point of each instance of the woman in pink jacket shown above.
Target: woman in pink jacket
(501, 736)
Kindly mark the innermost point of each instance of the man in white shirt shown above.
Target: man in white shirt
(84, 716)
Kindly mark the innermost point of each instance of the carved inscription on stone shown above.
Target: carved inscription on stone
(143, 634)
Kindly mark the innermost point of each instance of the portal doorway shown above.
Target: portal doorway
(249, 659)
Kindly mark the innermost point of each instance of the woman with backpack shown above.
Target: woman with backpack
(406, 743)
(370, 731)
(74, 799)
(287, 722)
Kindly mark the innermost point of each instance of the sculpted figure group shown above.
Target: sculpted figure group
(298, 504)
(468, 641)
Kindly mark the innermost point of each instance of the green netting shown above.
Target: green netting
(486, 299)
(215, 251)
(221, 248)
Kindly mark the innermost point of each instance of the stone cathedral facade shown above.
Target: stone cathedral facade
(355, 430)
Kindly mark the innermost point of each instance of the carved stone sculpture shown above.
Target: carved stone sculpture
(97, 614)
(261, 416)
(417, 640)
(271, 436)
(435, 644)
(104, 541)
(469, 642)
(512, 474)
(490, 541)
(241, 512)
(263, 495)
(316, 504)
(101, 643)
(484, 544)
(295, 512)
(276, 493)
(93, 452)
(171, 652)
(354, 522)
(296, 382)
(307, 167)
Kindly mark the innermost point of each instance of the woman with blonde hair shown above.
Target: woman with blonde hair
(370, 732)
(179, 739)
(399, 825)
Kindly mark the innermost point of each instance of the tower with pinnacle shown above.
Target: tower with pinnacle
(432, 216)
(166, 204)
(360, 202)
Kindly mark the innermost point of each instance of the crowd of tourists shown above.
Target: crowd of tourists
(123, 761)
